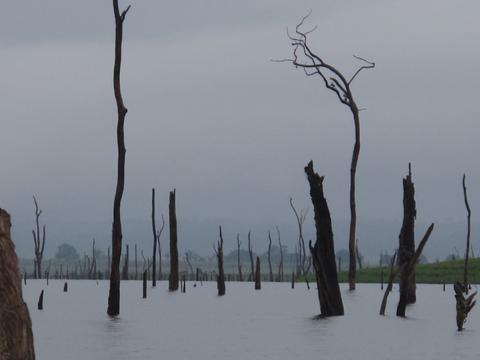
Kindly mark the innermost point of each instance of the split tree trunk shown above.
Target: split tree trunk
(323, 253)
(173, 278)
(221, 273)
(16, 337)
(406, 244)
(114, 291)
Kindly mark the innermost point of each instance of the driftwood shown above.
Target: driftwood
(114, 290)
(323, 252)
(173, 277)
(258, 283)
(16, 337)
(464, 305)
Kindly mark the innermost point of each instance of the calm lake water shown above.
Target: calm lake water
(274, 323)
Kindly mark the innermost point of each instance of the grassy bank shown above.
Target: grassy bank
(435, 273)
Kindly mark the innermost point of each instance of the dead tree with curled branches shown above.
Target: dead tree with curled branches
(314, 65)
(114, 291)
(38, 241)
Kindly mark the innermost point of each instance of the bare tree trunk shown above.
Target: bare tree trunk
(16, 337)
(258, 283)
(323, 253)
(239, 263)
(407, 271)
(359, 256)
(463, 305)
(250, 253)
(406, 246)
(38, 242)
(280, 265)
(221, 273)
(125, 265)
(173, 278)
(136, 263)
(154, 230)
(391, 278)
(159, 234)
(469, 213)
(269, 257)
(114, 291)
(144, 283)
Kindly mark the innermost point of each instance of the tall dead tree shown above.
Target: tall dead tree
(323, 252)
(340, 85)
(270, 272)
(258, 283)
(38, 241)
(154, 230)
(280, 264)
(469, 213)
(239, 263)
(159, 234)
(173, 277)
(16, 337)
(406, 239)
(250, 253)
(114, 291)
(221, 274)
(407, 271)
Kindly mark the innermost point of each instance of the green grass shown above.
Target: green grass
(436, 273)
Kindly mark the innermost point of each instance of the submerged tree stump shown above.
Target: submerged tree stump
(65, 287)
(323, 252)
(173, 278)
(258, 283)
(144, 284)
(221, 273)
(16, 337)
(463, 305)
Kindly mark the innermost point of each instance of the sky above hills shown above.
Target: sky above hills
(212, 116)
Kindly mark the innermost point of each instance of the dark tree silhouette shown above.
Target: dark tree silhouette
(38, 241)
(159, 234)
(258, 283)
(391, 278)
(154, 230)
(250, 253)
(270, 272)
(16, 337)
(280, 264)
(469, 213)
(340, 85)
(239, 263)
(173, 279)
(221, 273)
(114, 291)
(323, 252)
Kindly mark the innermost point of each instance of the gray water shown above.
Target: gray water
(274, 323)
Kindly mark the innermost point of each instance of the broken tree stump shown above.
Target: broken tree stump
(463, 305)
(221, 272)
(40, 301)
(65, 287)
(16, 337)
(144, 284)
(323, 252)
(258, 283)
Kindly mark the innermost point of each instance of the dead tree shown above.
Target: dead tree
(136, 263)
(250, 253)
(323, 252)
(258, 284)
(114, 291)
(173, 277)
(107, 271)
(280, 265)
(16, 337)
(38, 242)
(340, 85)
(154, 231)
(406, 239)
(40, 301)
(221, 274)
(270, 272)
(125, 265)
(144, 284)
(463, 305)
(407, 271)
(92, 270)
(159, 234)
(391, 278)
(239, 263)
(304, 262)
(469, 213)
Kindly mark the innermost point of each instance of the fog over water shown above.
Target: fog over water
(212, 116)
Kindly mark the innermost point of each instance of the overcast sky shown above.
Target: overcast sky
(212, 116)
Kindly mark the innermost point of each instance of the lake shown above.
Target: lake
(274, 323)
